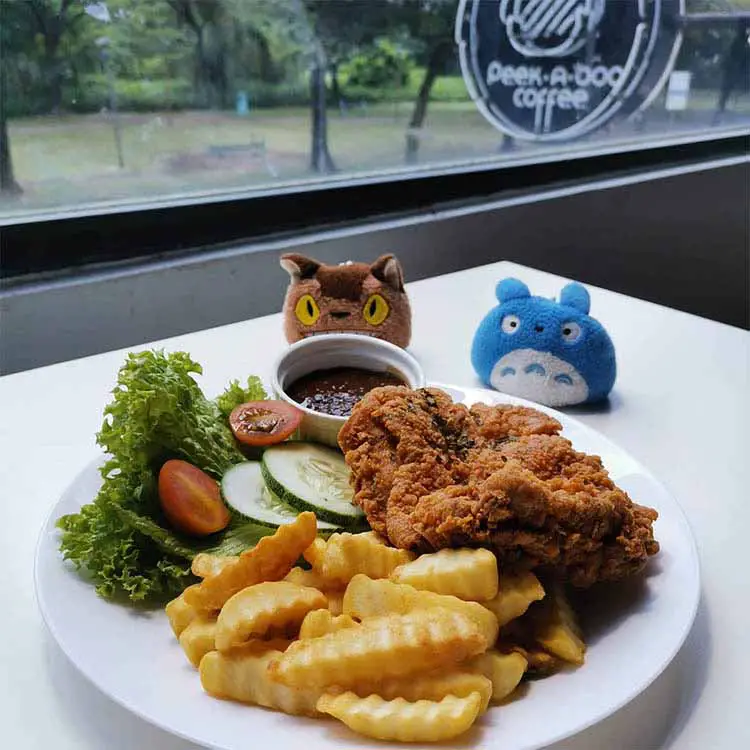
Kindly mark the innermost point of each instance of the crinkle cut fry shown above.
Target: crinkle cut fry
(389, 646)
(344, 555)
(270, 560)
(198, 638)
(515, 594)
(366, 598)
(422, 721)
(320, 622)
(265, 607)
(504, 671)
(433, 686)
(243, 675)
(469, 574)
(206, 565)
(180, 613)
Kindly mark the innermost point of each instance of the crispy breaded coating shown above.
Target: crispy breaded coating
(431, 474)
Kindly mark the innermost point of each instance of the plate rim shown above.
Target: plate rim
(496, 398)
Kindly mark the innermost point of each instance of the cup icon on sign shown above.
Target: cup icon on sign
(550, 28)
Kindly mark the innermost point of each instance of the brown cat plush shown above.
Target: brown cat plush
(350, 298)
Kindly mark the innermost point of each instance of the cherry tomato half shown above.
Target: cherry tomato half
(264, 422)
(191, 499)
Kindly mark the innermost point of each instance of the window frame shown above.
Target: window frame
(71, 242)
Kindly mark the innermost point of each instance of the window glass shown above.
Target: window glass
(134, 101)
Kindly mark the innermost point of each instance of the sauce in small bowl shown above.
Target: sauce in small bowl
(345, 366)
(335, 391)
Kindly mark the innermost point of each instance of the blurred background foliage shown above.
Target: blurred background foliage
(64, 58)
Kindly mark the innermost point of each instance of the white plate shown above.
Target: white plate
(633, 632)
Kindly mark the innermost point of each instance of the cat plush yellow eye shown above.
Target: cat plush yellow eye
(376, 310)
(307, 310)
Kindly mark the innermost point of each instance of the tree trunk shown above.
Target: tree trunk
(320, 157)
(75, 80)
(50, 26)
(266, 68)
(221, 80)
(734, 67)
(53, 73)
(335, 85)
(214, 63)
(211, 51)
(8, 184)
(201, 82)
(187, 14)
(435, 65)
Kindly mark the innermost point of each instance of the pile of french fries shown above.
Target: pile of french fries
(395, 646)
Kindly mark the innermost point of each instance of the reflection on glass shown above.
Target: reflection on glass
(137, 100)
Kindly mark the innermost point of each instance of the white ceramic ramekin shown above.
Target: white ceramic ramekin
(338, 350)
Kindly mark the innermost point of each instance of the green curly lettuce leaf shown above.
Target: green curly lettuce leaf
(235, 394)
(158, 412)
(238, 536)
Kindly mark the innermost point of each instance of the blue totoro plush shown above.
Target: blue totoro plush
(550, 352)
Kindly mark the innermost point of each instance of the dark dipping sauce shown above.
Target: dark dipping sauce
(337, 390)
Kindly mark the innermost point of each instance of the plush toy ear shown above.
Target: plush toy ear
(575, 295)
(298, 266)
(388, 270)
(509, 289)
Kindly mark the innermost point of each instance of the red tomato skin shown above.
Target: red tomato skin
(289, 420)
(191, 499)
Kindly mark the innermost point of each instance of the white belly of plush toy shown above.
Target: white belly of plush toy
(539, 376)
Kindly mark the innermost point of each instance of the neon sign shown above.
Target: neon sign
(550, 70)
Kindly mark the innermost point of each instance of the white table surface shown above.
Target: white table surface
(681, 406)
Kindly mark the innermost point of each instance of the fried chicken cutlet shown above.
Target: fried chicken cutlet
(430, 473)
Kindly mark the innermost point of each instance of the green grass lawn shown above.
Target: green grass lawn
(72, 160)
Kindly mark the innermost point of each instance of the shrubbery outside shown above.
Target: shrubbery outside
(136, 98)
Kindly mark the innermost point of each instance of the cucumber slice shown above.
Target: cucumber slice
(308, 476)
(247, 495)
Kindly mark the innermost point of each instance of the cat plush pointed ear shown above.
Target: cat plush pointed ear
(388, 270)
(298, 266)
